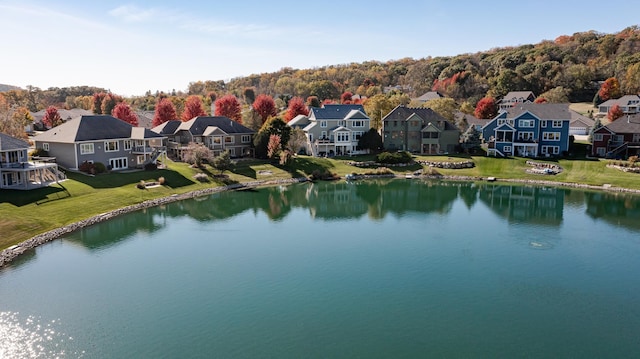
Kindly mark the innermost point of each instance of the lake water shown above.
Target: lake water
(376, 269)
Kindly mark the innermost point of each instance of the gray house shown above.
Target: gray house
(218, 133)
(17, 172)
(101, 138)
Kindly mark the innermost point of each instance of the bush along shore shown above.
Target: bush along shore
(12, 252)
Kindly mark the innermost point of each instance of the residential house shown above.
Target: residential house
(580, 125)
(333, 129)
(101, 138)
(17, 172)
(629, 104)
(418, 130)
(218, 133)
(618, 139)
(529, 130)
(431, 95)
(516, 97)
(471, 120)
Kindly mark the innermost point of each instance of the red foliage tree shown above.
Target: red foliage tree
(273, 146)
(615, 112)
(346, 98)
(540, 100)
(193, 108)
(296, 107)
(51, 117)
(486, 108)
(96, 106)
(165, 111)
(123, 112)
(229, 106)
(609, 89)
(265, 107)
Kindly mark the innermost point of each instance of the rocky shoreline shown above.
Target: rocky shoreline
(12, 252)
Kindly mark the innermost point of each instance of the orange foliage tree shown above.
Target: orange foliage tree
(615, 112)
(486, 108)
(346, 98)
(265, 107)
(51, 117)
(609, 89)
(229, 106)
(123, 112)
(193, 108)
(165, 111)
(296, 107)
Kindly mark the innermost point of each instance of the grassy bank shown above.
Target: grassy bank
(24, 214)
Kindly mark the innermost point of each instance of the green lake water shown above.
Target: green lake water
(377, 269)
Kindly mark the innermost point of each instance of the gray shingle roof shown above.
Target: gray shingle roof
(622, 101)
(625, 124)
(167, 128)
(555, 111)
(9, 143)
(91, 128)
(332, 112)
(198, 125)
(429, 96)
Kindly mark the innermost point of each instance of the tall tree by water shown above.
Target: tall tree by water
(229, 106)
(165, 111)
(123, 112)
(296, 107)
(193, 108)
(265, 107)
(51, 117)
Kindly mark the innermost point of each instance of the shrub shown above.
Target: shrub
(99, 167)
(161, 181)
(378, 171)
(394, 157)
(323, 175)
(201, 177)
(141, 185)
(39, 152)
(150, 167)
(87, 167)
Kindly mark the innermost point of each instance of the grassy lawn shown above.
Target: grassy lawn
(24, 214)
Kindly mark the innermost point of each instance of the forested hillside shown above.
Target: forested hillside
(569, 68)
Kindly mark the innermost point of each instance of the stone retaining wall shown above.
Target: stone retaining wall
(12, 252)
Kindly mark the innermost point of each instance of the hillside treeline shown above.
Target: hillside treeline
(569, 68)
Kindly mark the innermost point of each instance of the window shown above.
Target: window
(551, 136)
(502, 121)
(557, 124)
(323, 123)
(597, 137)
(343, 136)
(246, 138)
(636, 137)
(127, 145)
(229, 139)
(232, 152)
(45, 146)
(525, 136)
(216, 140)
(506, 149)
(357, 135)
(342, 123)
(601, 151)
(110, 146)
(415, 123)
(526, 123)
(118, 163)
(358, 123)
(550, 150)
(323, 135)
(86, 148)
(618, 138)
(543, 123)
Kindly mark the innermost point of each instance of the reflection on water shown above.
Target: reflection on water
(30, 338)
(528, 204)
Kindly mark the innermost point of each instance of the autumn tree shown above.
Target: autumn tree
(273, 146)
(109, 102)
(229, 106)
(249, 94)
(273, 126)
(96, 105)
(296, 107)
(346, 98)
(444, 106)
(264, 107)
(615, 112)
(193, 108)
(165, 111)
(51, 117)
(609, 89)
(123, 112)
(486, 108)
(313, 101)
(197, 154)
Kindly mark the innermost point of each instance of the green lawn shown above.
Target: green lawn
(24, 214)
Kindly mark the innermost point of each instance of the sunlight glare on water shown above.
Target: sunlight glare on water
(31, 338)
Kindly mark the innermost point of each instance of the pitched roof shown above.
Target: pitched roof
(65, 115)
(514, 96)
(625, 124)
(198, 125)
(300, 120)
(471, 119)
(578, 120)
(402, 113)
(543, 111)
(145, 118)
(429, 96)
(333, 112)
(622, 101)
(167, 128)
(93, 128)
(10, 143)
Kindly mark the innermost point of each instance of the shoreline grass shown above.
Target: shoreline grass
(24, 214)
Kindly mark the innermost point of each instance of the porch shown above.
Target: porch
(30, 175)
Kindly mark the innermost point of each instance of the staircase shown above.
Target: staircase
(618, 150)
(154, 155)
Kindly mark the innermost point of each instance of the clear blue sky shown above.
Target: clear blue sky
(130, 47)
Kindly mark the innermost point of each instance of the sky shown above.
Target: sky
(131, 47)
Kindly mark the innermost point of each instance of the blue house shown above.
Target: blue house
(529, 130)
